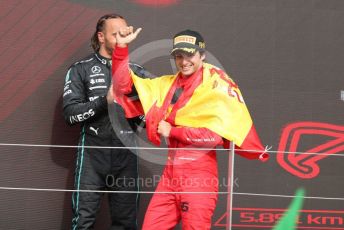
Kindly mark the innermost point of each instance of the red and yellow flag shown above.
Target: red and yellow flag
(216, 104)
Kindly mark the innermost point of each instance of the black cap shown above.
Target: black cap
(188, 41)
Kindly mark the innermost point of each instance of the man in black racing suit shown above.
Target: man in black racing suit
(85, 101)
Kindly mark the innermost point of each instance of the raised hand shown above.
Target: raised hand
(126, 35)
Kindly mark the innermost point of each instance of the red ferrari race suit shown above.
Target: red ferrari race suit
(188, 187)
(193, 175)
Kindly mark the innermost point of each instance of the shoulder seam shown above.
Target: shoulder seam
(130, 63)
(83, 61)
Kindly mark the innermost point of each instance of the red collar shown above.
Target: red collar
(186, 81)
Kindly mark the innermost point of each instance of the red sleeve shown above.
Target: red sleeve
(122, 82)
(201, 137)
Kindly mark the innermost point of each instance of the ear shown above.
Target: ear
(101, 38)
(203, 56)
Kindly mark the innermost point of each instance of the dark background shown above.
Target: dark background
(286, 56)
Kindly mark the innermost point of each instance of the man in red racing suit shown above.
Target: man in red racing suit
(188, 188)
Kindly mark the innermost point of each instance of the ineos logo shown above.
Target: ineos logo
(96, 69)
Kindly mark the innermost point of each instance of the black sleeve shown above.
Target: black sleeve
(140, 72)
(76, 107)
(139, 122)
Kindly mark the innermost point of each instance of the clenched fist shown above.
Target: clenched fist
(164, 128)
(126, 35)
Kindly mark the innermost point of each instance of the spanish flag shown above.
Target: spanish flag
(216, 103)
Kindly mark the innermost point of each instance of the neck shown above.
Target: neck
(102, 51)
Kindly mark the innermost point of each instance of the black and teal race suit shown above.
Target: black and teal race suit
(84, 101)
